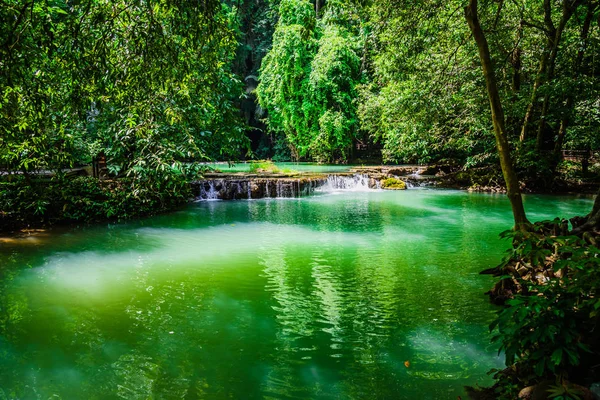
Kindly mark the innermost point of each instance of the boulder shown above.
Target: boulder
(393, 184)
(541, 391)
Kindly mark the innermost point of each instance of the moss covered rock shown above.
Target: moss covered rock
(393, 184)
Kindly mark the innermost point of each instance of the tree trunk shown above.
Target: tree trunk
(515, 60)
(564, 122)
(536, 84)
(510, 176)
(550, 31)
(554, 42)
(592, 219)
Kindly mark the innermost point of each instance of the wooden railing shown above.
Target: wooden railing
(576, 155)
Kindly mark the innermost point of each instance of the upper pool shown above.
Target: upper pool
(291, 166)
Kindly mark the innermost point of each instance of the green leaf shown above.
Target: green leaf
(539, 367)
(556, 356)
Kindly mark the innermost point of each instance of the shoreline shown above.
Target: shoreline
(442, 182)
(289, 183)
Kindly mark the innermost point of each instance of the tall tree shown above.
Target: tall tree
(508, 170)
(147, 83)
(309, 79)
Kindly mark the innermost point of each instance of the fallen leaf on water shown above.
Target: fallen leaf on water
(407, 364)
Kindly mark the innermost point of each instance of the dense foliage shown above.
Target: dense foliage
(167, 79)
(84, 199)
(129, 79)
(406, 75)
(548, 330)
(149, 85)
(310, 76)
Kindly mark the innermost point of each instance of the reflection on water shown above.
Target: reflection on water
(320, 297)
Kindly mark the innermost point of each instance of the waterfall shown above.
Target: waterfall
(356, 183)
(211, 194)
(225, 189)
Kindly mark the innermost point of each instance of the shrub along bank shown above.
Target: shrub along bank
(548, 327)
(27, 202)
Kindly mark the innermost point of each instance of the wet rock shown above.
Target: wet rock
(393, 184)
(541, 391)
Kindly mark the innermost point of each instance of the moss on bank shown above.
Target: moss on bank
(393, 184)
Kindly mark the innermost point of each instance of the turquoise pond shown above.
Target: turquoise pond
(341, 295)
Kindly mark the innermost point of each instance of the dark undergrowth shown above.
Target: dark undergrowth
(35, 203)
(548, 327)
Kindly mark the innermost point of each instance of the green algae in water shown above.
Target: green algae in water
(320, 297)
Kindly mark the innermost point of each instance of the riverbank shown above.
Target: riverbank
(41, 203)
(252, 185)
(29, 203)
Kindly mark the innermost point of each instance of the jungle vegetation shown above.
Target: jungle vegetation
(152, 85)
(156, 87)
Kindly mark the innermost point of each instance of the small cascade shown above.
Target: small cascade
(416, 174)
(208, 194)
(356, 183)
(416, 179)
(258, 188)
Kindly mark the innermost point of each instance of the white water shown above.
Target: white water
(290, 188)
(210, 194)
(354, 183)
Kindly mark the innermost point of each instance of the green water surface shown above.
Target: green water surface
(324, 297)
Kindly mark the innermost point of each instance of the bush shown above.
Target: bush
(25, 202)
(264, 166)
(549, 330)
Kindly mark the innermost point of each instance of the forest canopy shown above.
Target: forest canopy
(147, 83)
(155, 84)
(407, 78)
